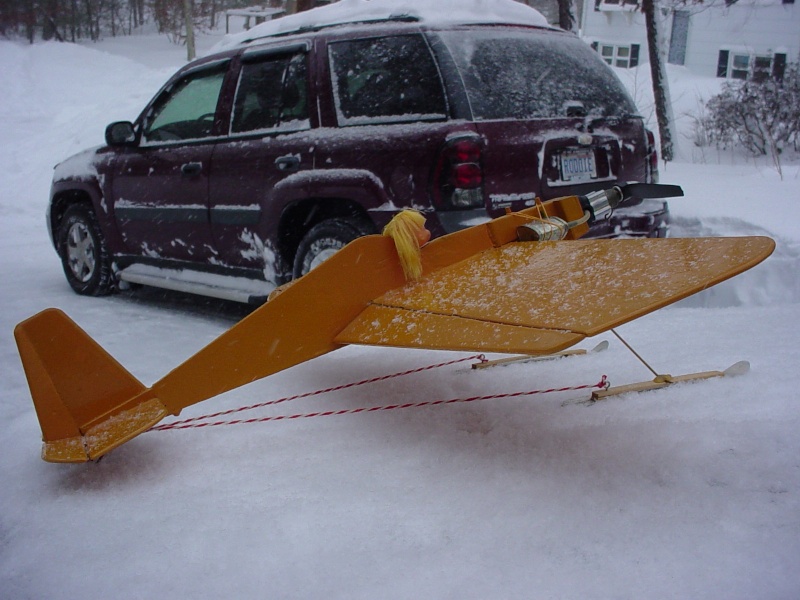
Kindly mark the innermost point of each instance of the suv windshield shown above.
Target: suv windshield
(515, 75)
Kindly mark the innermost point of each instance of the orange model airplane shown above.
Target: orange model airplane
(522, 283)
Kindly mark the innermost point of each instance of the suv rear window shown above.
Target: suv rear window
(389, 79)
(519, 75)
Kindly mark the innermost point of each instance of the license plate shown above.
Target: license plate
(578, 165)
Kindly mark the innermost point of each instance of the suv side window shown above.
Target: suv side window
(389, 79)
(186, 110)
(271, 94)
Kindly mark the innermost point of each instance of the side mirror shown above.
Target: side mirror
(121, 133)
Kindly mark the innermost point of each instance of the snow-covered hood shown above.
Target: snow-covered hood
(80, 166)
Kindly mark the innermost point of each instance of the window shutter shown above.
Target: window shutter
(722, 63)
(778, 66)
(634, 55)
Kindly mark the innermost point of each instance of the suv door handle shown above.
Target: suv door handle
(290, 162)
(192, 168)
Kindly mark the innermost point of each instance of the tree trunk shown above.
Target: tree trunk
(136, 14)
(566, 15)
(660, 82)
(73, 20)
(30, 20)
(90, 18)
(189, 17)
(113, 12)
(304, 5)
(99, 10)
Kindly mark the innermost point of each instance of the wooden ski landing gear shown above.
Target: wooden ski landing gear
(658, 382)
(525, 358)
(662, 381)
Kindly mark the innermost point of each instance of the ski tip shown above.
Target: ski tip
(600, 347)
(739, 368)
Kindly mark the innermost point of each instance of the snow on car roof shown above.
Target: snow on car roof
(423, 11)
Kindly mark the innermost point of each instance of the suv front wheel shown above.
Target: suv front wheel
(83, 252)
(325, 239)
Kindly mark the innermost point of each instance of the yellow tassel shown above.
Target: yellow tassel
(407, 229)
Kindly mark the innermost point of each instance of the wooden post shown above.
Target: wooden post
(189, 17)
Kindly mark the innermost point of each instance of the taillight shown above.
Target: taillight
(458, 178)
(467, 175)
(652, 158)
(465, 150)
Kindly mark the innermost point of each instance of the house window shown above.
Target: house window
(616, 5)
(762, 66)
(740, 66)
(734, 64)
(618, 56)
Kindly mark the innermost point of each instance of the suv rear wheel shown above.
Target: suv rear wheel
(83, 252)
(325, 239)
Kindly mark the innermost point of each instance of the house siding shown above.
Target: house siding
(757, 27)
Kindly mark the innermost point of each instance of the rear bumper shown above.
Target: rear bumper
(648, 219)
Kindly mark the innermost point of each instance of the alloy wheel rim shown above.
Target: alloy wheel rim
(81, 255)
(322, 257)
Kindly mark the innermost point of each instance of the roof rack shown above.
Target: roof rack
(314, 28)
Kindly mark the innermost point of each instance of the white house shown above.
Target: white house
(733, 39)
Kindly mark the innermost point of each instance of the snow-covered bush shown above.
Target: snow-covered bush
(761, 116)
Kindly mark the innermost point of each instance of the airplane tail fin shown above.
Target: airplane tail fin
(80, 391)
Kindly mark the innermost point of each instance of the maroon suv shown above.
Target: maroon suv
(251, 166)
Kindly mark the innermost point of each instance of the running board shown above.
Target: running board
(223, 287)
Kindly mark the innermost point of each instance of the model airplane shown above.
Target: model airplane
(522, 283)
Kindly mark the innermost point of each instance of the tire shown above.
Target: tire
(84, 254)
(325, 239)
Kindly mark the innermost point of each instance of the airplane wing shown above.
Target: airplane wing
(541, 297)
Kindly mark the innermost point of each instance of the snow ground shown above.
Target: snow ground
(689, 492)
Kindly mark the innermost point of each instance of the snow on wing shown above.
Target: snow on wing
(538, 298)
